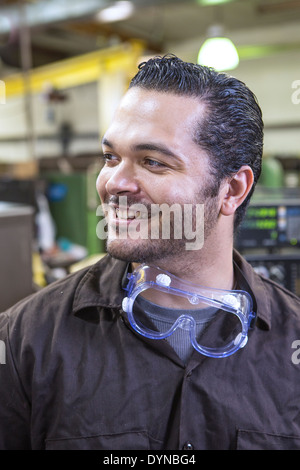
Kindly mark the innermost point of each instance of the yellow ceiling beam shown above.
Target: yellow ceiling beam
(78, 70)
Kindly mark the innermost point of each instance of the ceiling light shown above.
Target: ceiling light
(116, 12)
(212, 2)
(218, 51)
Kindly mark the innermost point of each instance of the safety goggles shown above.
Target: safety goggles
(159, 303)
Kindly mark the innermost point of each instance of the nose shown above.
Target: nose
(122, 180)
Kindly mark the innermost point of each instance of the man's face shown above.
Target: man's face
(151, 160)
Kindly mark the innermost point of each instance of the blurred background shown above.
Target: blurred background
(64, 65)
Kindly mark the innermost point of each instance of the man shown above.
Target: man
(85, 369)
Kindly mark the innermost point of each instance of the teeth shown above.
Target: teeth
(130, 214)
(121, 213)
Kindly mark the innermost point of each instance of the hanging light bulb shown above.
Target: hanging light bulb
(118, 11)
(218, 51)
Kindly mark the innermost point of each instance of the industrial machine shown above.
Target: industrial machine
(269, 236)
(16, 236)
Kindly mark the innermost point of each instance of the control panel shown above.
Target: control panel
(269, 225)
(269, 236)
(281, 268)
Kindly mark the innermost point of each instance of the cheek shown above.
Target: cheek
(100, 184)
(170, 192)
(158, 190)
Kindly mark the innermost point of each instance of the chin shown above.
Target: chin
(144, 251)
(131, 252)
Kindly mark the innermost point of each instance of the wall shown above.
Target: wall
(91, 84)
(80, 110)
(86, 109)
(271, 79)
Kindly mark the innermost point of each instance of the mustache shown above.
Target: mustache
(126, 201)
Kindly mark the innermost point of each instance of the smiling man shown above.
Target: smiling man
(152, 163)
(171, 341)
(152, 157)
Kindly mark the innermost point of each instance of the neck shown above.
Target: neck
(211, 266)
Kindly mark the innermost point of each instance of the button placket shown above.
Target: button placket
(188, 446)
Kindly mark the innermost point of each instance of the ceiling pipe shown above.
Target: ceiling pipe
(26, 61)
(43, 12)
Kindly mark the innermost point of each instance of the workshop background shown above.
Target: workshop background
(64, 65)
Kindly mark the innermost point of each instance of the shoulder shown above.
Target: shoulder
(54, 300)
(280, 292)
(274, 302)
(284, 304)
(41, 310)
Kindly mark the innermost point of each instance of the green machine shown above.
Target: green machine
(73, 201)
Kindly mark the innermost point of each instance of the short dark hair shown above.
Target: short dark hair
(231, 131)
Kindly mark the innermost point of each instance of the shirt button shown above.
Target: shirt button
(188, 446)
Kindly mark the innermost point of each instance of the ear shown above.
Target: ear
(236, 190)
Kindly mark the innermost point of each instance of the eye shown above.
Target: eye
(155, 164)
(109, 158)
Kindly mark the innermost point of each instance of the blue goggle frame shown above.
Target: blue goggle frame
(236, 302)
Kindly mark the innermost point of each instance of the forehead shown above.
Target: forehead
(167, 113)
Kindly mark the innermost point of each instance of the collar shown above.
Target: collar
(102, 285)
(250, 281)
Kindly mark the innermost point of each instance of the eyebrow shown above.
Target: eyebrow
(107, 142)
(161, 148)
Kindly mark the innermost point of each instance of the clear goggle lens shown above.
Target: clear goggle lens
(216, 321)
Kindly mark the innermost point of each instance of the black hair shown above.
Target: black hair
(231, 131)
